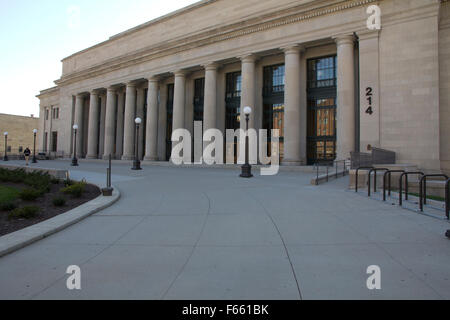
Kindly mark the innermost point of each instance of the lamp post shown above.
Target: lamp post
(247, 168)
(5, 157)
(34, 147)
(137, 162)
(74, 159)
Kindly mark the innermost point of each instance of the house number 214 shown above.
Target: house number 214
(369, 95)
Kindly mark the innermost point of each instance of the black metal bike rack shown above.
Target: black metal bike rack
(447, 199)
(405, 174)
(423, 188)
(357, 175)
(375, 179)
(386, 174)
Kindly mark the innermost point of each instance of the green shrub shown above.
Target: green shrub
(76, 190)
(68, 182)
(24, 213)
(8, 206)
(59, 201)
(37, 180)
(55, 181)
(16, 176)
(30, 194)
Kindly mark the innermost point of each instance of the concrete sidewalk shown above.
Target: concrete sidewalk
(188, 233)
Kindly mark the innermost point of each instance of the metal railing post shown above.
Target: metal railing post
(386, 174)
(406, 174)
(447, 199)
(423, 188)
(357, 175)
(375, 179)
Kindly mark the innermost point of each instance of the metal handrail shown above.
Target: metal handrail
(405, 174)
(423, 188)
(447, 198)
(357, 171)
(375, 179)
(337, 167)
(389, 173)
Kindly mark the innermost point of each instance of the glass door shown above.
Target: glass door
(322, 110)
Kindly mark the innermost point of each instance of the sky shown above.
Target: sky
(36, 35)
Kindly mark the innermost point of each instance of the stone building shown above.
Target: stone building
(20, 133)
(311, 68)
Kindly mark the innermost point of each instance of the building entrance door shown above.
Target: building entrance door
(233, 106)
(321, 110)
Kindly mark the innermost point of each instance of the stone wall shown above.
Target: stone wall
(444, 81)
(409, 82)
(20, 132)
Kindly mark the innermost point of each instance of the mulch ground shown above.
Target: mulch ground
(45, 203)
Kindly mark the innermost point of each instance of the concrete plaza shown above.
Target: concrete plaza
(202, 233)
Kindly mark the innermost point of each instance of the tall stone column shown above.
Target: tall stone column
(129, 125)
(248, 88)
(93, 126)
(119, 130)
(151, 141)
(179, 101)
(79, 103)
(101, 143)
(210, 101)
(111, 100)
(140, 102)
(292, 124)
(162, 121)
(345, 119)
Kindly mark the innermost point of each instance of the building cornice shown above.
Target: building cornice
(48, 92)
(239, 29)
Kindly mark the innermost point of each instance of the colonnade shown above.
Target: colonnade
(123, 106)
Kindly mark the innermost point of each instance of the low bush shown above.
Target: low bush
(24, 213)
(68, 182)
(30, 194)
(15, 176)
(55, 181)
(8, 206)
(76, 190)
(59, 201)
(36, 180)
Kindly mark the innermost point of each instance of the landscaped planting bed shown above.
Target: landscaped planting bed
(30, 198)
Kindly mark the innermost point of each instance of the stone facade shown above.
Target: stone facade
(20, 132)
(404, 67)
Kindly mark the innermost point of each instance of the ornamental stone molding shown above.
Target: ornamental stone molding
(254, 25)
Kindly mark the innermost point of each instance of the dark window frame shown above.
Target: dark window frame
(321, 88)
(199, 98)
(233, 93)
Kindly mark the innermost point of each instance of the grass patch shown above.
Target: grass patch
(436, 198)
(8, 194)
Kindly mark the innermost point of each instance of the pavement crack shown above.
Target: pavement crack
(282, 240)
